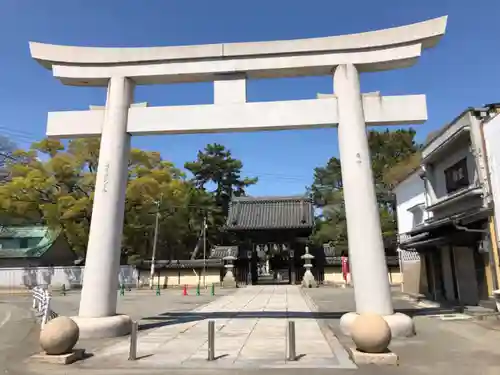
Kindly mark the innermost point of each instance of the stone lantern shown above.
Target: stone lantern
(228, 281)
(308, 278)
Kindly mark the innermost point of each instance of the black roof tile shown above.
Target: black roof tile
(180, 264)
(254, 213)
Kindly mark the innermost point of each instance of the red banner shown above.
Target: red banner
(345, 267)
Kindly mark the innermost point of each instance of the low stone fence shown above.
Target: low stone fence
(17, 279)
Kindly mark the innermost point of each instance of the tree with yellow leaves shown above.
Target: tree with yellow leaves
(54, 184)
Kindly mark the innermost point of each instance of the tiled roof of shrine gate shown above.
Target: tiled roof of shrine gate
(255, 213)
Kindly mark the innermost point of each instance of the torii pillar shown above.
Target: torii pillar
(366, 247)
(228, 66)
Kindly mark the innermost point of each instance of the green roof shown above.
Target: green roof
(260, 213)
(42, 238)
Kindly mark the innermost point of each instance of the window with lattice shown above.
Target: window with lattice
(456, 176)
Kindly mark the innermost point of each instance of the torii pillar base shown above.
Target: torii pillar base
(401, 325)
(104, 327)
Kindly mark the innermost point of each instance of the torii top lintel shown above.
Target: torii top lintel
(385, 49)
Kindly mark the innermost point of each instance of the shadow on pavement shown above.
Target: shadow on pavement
(172, 318)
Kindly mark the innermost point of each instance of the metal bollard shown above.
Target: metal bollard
(211, 340)
(132, 356)
(292, 355)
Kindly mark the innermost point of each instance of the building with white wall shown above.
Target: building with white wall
(490, 130)
(411, 213)
(444, 213)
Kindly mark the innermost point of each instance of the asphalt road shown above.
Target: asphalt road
(459, 347)
(18, 333)
(19, 330)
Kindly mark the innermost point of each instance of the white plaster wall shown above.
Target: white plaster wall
(438, 178)
(189, 277)
(492, 139)
(14, 278)
(333, 275)
(409, 193)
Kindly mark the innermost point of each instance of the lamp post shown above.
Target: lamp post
(155, 240)
(266, 251)
(291, 254)
(204, 250)
(249, 265)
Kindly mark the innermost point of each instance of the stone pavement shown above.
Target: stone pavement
(460, 347)
(442, 345)
(251, 332)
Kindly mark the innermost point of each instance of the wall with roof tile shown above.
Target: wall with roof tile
(333, 275)
(71, 277)
(179, 277)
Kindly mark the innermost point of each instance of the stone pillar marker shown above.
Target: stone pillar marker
(97, 314)
(366, 248)
(308, 280)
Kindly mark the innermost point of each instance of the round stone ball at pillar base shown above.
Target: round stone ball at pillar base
(59, 336)
(401, 325)
(103, 327)
(371, 333)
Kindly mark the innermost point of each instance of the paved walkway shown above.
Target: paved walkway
(251, 331)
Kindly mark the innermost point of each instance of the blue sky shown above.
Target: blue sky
(462, 71)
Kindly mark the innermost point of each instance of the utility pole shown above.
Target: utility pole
(204, 250)
(155, 240)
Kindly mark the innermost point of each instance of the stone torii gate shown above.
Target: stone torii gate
(229, 66)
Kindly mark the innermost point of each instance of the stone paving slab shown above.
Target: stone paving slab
(251, 332)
